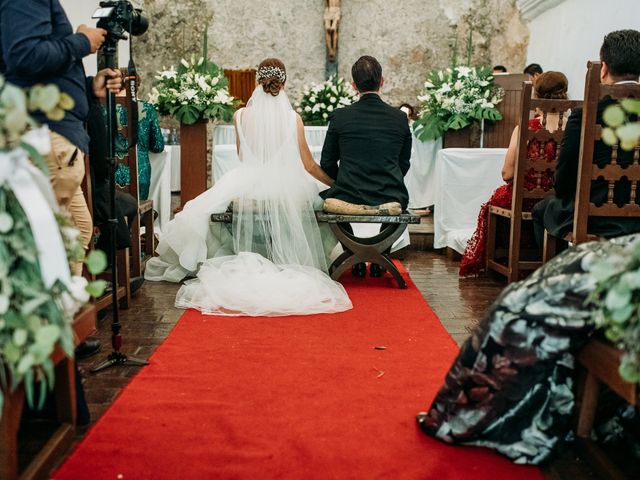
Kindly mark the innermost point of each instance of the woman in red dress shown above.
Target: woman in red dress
(552, 85)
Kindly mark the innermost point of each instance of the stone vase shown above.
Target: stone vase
(193, 160)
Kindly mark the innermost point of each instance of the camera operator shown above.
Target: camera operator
(38, 45)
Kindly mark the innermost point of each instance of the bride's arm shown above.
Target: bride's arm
(309, 163)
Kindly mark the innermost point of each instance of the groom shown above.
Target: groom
(372, 142)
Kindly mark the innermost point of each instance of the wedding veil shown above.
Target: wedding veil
(275, 217)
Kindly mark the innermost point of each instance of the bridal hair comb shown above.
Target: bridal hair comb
(271, 72)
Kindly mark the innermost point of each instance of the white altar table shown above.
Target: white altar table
(465, 178)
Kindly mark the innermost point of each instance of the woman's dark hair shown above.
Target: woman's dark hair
(621, 52)
(367, 74)
(533, 69)
(552, 85)
(272, 75)
(500, 68)
(412, 111)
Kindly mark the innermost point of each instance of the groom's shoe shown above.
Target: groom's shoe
(359, 270)
(376, 270)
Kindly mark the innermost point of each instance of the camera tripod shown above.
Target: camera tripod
(116, 357)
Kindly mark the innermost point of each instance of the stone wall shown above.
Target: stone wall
(409, 37)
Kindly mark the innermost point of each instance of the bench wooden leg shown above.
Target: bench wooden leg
(9, 424)
(370, 249)
(549, 247)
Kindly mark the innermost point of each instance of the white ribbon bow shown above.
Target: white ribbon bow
(33, 191)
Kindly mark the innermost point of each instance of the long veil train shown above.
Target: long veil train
(273, 261)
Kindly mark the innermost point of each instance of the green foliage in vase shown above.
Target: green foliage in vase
(194, 90)
(455, 97)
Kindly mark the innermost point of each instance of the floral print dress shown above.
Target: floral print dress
(511, 388)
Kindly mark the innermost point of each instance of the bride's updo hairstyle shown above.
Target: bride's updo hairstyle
(271, 75)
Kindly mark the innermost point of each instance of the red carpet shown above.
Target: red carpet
(289, 398)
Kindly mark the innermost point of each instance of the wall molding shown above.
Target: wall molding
(531, 9)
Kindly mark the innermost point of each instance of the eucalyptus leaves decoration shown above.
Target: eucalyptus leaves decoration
(623, 124)
(36, 313)
(617, 301)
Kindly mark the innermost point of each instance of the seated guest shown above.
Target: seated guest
(409, 111)
(547, 85)
(372, 142)
(499, 69)
(533, 70)
(620, 57)
(511, 387)
(149, 140)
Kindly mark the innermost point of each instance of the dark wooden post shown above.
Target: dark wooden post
(193, 161)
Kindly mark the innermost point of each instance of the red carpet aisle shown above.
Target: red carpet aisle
(289, 398)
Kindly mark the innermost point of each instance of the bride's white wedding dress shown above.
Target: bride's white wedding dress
(271, 261)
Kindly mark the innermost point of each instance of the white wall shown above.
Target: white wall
(565, 37)
(79, 12)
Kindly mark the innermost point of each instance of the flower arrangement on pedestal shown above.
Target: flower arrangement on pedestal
(38, 295)
(193, 91)
(454, 98)
(318, 101)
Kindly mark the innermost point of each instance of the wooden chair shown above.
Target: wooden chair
(532, 181)
(242, 83)
(122, 257)
(139, 244)
(613, 173)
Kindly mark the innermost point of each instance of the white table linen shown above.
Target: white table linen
(420, 179)
(174, 161)
(465, 178)
(160, 187)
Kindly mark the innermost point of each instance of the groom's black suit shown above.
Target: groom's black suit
(372, 141)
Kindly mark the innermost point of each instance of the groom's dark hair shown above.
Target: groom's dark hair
(367, 74)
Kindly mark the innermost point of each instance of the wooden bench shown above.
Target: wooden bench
(65, 392)
(356, 249)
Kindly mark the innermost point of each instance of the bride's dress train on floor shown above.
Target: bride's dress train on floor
(272, 260)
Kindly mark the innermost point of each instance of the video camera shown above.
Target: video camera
(119, 16)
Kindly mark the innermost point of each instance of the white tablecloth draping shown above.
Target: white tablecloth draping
(160, 188)
(174, 155)
(420, 179)
(465, 178)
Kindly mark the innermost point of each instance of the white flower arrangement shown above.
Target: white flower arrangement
(195, 90)
(319, 101)
(37, 297)
(454, 98)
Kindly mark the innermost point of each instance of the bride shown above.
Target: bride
(272, 260)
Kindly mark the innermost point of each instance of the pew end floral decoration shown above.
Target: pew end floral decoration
(617, 305)
(454, 98)
(194, 90)
(38, 295)
(319, 101)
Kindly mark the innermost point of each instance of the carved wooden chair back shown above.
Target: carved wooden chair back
(620, 171)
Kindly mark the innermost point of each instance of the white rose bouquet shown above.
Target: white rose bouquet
(454, 98)
(194, 90)
(319, 101)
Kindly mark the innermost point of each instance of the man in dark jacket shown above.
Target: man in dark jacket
(372, 142)
(620, 57)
